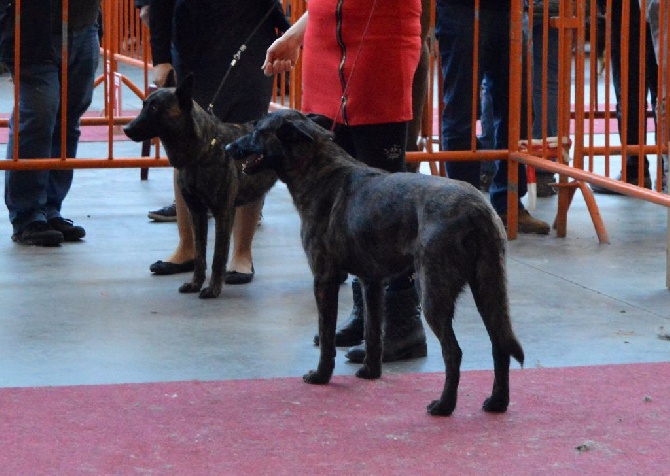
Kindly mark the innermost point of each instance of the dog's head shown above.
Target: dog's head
(274, 139)
(163, 111)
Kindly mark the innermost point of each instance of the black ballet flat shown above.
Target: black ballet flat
(164, 268)
(235, 277)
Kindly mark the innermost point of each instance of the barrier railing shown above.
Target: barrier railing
(125, 43)
(589, 42)
(580, 92)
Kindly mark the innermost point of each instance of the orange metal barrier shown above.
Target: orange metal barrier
(596, 155)
(586, 101)
(126, 44)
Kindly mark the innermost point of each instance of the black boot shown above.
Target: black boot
(403, 334)
(351, 331)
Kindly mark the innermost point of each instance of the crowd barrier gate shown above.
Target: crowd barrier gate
(585, 99)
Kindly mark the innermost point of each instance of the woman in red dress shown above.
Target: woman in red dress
(359, 60)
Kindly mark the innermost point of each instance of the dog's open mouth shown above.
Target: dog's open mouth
(252, 164)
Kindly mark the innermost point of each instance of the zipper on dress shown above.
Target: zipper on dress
(343, 49)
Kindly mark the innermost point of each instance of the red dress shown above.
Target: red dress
(358, 64)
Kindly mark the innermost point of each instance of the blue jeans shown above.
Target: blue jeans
(551, 79)
(455, 29)
(38, 195)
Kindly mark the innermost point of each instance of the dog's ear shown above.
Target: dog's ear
(184, 93)
(321, 120)
(170, 80)
(296, 130)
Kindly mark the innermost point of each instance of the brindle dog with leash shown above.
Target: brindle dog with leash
(377, 225)
(208, 178)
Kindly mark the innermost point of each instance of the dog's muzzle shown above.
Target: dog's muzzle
(251, 156)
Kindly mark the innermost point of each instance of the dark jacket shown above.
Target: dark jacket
(40, 21)
(201, 21)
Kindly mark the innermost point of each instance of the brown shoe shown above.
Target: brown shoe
(528, 224)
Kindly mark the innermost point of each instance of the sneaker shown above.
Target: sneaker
(165, 214)
(70, 231)
(38, 233)
(529, 225)
(631, 179)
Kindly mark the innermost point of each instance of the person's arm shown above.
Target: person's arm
(160, 25)
(283, 54)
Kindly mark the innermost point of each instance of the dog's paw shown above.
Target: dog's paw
(439, 408)
(493, 405)
(315, 378)
(367, 373)
(190, 288)
(210, 292)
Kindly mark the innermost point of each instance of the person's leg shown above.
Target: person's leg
(495, 66)
(383, 146)
(244, 228)
(25, 191)
(551, 80)
(632, 73)
(185, 250)
(83, 54)
(419, 86)
(494, 61)
(455, 28)
(181, 259)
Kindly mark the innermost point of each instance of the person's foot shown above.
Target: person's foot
(403, 334)
(350, 333)
(38, 233)
(527, 224)
(70, 231)
(164, 268)
(236, 277)
(165, 214)
(630, 178)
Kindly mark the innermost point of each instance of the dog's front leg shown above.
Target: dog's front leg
(199, 225)
(373, 298)
(326, 303)
(223, 225)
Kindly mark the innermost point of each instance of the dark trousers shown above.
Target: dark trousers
(455, 27)
(633, 74)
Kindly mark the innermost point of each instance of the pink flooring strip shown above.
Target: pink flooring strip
(609, 420)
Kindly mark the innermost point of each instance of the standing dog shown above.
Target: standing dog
(208, 178)
(377, 225)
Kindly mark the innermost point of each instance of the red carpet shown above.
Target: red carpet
(607, 420)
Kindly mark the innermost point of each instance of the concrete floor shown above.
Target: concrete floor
(90, 312)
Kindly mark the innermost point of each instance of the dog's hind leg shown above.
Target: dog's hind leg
(440, 287)
(325, 293)
(489, 289)
(373, 298)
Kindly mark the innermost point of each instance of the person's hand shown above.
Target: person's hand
(144, 14)
(281, 56)
(161, 73)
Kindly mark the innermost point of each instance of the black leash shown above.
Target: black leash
(237, 56)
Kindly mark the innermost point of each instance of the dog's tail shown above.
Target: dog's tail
(489, 288)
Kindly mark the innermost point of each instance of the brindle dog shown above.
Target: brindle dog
(377, 225)
(208, 178)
